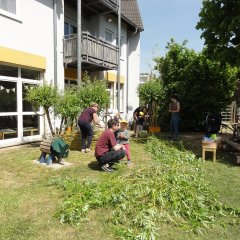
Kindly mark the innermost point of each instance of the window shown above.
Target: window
(69, 29)
(70, 83)
(8, 96)
(17, 117)
(30, 74)
(8, 71)
(9, 6)
(108, 36)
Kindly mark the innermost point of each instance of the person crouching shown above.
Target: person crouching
(107, 150)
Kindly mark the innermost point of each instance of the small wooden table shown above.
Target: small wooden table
(31, 130)
(6, 131)
(211, 147)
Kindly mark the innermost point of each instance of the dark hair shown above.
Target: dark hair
(175, 96)
(112, 123)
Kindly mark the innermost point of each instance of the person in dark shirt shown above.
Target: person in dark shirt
(107, 150)
(84, 123)
(139, 123)
(135, 117)
(174, 109)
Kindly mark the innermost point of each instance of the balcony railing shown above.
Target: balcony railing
(95, 51)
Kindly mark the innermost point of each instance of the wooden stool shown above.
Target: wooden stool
(209, 148)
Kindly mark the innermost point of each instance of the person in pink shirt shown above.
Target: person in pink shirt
(88, 116)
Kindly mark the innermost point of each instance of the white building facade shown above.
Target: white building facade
(35, 38)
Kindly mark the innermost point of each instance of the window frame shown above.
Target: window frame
(109, 33)
(20, 113)
(10, 15)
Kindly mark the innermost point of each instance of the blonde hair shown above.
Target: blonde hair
(93, 104)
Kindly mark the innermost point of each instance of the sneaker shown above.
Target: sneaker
(106, 168)
(83, 150)
(129, 164)
(87, 150)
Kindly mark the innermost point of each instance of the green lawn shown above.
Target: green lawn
(28, 202)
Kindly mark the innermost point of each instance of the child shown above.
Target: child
(123, 138)
(139, 123)
(117, 118)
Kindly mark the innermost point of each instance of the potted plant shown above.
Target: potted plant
(151, 94)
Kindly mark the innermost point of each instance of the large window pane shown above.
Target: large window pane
(8, 5)
(66, 30)
(8, 127)
(27, 107)
(30, 125)
(8, 71)
(8, 96)
(30, 74)
(108, 36)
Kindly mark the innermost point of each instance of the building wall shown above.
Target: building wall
(133, 73)
(31, 34)
(97, 26)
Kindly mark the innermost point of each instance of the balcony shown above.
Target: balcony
(96, 53)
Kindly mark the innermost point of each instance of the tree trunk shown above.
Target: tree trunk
(49, 122)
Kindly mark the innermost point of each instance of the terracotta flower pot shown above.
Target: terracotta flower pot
(154, 129)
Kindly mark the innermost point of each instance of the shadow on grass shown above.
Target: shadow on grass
(94, 166)
(228, 156)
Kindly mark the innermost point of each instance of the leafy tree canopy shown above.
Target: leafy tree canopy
(68, 106)
(220, 23)
(203, 85)
(152, 94)
(45, 96)
(93, 91)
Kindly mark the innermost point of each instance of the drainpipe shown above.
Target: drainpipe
(119, 55)
(136, 30)
(79, 43)
(55, 40)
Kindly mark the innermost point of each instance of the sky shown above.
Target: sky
(166, 19)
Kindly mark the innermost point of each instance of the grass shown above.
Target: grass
(28, 202)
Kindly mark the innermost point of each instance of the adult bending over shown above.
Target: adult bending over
(84, 122)
(107, 149)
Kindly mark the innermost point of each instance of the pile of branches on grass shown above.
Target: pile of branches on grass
(171, 188)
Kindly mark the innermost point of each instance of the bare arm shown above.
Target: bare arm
(135, 115)
(96, 119)
(118, 147)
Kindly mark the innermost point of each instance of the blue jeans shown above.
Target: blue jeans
(87, 134)
(174, 124)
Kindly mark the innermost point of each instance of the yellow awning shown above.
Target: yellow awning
(112, 77)
(16, 57)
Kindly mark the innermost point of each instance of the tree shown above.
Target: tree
(220, 23)
(93, 91)
(151, 93)
(68, 106)
(44, 96)
(203, 85)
